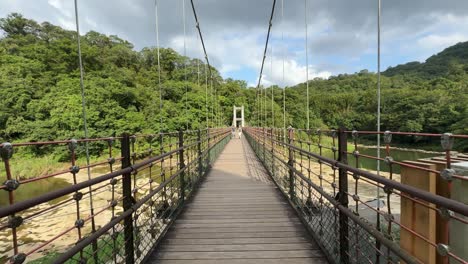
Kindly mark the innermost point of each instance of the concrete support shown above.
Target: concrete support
(235, 118)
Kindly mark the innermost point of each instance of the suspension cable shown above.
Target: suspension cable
(266, 48)
(159, 66)
(307, 63)
(85, 123)
(212, 101)
(198, 66)
(206, 98)
(378, 116)
(272, 89)
(197, 25)
(185, 66)
(282, 42)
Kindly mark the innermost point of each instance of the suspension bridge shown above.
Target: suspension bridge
(266, 195)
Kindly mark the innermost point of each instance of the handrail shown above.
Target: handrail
(287, 156)
(430, 197)
(198, 151)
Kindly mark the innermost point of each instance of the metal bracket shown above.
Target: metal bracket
(355, 135)
(356, 153)
(388, 190)
(355, 197)
(356, 176)
(79, 223)
(113, 203)
(445, 213)
(111, 160)
(6, 151)
(11, 185)
(77, 196)
(447, 174)
(387, 137)
(74, 169)
(113, 181)
(389, 160)
(73, 144)
(18, 258)
(443, 249)
(14, 221)
(446, 141)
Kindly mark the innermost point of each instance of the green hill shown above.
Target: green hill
(453, 60)
(40, 87)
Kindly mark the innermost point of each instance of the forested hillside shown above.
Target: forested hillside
(40, 88)
(40, 91)
(430, 96)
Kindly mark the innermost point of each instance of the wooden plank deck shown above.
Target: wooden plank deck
(237, 216)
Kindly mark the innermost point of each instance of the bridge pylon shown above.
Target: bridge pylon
(238, 121)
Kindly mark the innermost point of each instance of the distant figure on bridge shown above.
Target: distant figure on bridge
(233, 132)
(239, 132)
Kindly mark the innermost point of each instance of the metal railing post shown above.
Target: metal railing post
(264, 148)
(208, 157)
(182, 166)
(199, 150)
(342, 195)
(272, 137)
(127, 200)
(291, 163)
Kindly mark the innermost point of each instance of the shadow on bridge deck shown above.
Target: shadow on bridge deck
(237, 216)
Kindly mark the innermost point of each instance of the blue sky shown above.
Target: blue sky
(342, 33)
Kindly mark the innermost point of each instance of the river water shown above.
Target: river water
(396, 154)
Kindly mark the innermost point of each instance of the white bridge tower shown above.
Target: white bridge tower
(236, 119)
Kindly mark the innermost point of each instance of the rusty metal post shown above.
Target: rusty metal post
(208, 156)
(291, 163)
(264, 148)
(127, 200)
(199, 153)
(182, 166)
(272, 137)
(342, 195)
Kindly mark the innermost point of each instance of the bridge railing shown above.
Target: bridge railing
(117, 216)
(353, 212)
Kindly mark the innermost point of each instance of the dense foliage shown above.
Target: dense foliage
(41, 98)
(416, 97)
(41, 95)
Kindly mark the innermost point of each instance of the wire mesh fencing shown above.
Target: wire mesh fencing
(354, 212)
(118, 211)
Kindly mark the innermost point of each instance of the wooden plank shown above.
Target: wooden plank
(417, 217)
(237, 229)
(235, 247)
(247, 261)
(236, 235)
(234, 224)
(237, 217)
(221, 221)
(214, 216)
(309, 253)
(244, 241)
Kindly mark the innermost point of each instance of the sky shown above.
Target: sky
(342, 34)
